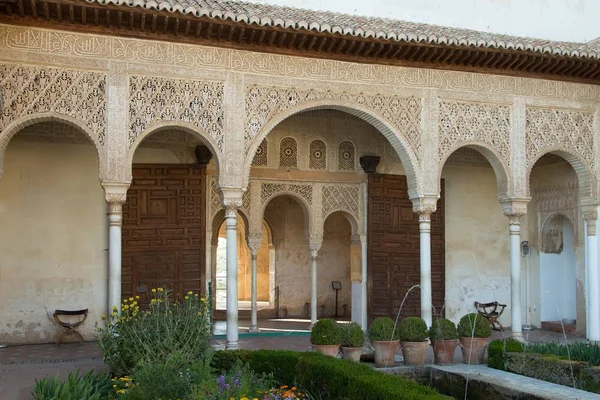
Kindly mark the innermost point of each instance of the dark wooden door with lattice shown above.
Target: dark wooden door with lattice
(393, 250)
(164, 222)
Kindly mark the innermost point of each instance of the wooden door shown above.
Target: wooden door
(164, 230)
(394, 249)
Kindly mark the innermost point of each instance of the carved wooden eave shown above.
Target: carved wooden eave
(176, 26)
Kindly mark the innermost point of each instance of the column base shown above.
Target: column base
(232, 345)
(517, 336)
(254, 329)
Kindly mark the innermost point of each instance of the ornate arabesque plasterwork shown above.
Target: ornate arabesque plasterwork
(462, 122)
(157, 53)
(341, 197)
(261, 157)
(30, 90)
(154, 99)
(346, 156)
(268, 190)
(317, 155)
(288, 153)
(556, 129)
(216, 204)
(264, 103)
(549, 201)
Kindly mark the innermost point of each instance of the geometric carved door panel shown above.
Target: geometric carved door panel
(164, 230)
(393, 250)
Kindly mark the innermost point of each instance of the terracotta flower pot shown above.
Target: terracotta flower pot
(327, 349)
(414, 352)
(385, 353)
(352, 353)
(473, 349)
(443, 351)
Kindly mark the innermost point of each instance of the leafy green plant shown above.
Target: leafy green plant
(498, 349)
(443, 329)
(383, 329)
(352, 335)
(474, 325)
(167, 327)
(326, 332)
(89, 386)
(413, 329)
(579, 351)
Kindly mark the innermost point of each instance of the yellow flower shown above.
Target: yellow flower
(186, 297)
(121, 391)
(190, 292)
(160, 289)
(125, 379)
(202, 299)
(131, 299)
(137, 297)
(114, 386)
(125, 301)
(115, 308)
(153, 290)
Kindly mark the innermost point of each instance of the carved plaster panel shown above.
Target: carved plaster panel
(473, 122)
(550, 201)
(340, 197)
(553, 129)
(265, 103)
(31, 90)
(94, 47)
(154, 99)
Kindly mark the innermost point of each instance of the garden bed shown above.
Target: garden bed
(578, 366)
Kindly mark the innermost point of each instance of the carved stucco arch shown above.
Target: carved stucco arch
(549, 218)
(218, 219)
(585, 175)
(172, 125)
(493, 156)
(306, 208)
(18, 125)
(354, 223)
(408, 157)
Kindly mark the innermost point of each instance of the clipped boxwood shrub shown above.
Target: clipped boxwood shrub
(413, 329)
(327, 377)
(498, 349)
(352, 335)
(383, 329)
(443, 329)
(326, 331)
(473, 320)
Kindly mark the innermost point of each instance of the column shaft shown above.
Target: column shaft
(593, 280)
(363, 283)
(115, 220)
(313, 287)
(515, 277)
(254, 294)
(425, 253)
(232, 279)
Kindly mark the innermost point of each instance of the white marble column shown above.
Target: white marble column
(514, 210)
(425, 207)
(364, 311)
(231, 215)
(254, 245)
(314, 246)
(116, 194)
(590, 215)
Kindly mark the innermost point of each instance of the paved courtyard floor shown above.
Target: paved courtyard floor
(21, 365)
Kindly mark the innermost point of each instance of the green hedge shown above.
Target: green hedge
(329, 377)
(498, 349)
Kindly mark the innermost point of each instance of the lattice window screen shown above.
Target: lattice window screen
(260, 157)
(318, 155)
(288, 153)
(346, 157)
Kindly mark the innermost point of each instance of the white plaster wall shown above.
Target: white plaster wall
(564, 20)
(53, 236)
(477, 242)
(558, 277)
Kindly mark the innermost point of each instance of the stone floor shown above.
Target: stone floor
(21, 365)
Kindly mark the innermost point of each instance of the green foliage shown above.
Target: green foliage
(383, 329)
(330, 378)
(413, 329)
(89, 386)
(497, 350)
(352, 335)
(474, 325)
(580, 351)
(443, 329)
(326, 331)
(152, 336)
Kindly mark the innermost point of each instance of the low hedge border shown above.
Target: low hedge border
(332, 378)
(510, 356)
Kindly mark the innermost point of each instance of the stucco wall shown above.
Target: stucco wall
(53, 234)
(477, 241)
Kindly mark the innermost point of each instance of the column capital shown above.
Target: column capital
(515, 208)
(424, 206)
(590, 216)
(231, 199)
(355, 239)
(254, 242)
(315, 241)
(115, 192)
